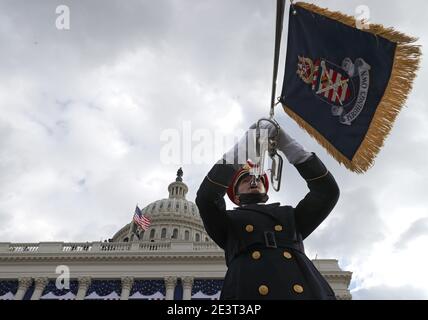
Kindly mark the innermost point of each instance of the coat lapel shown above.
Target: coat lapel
(265, 209)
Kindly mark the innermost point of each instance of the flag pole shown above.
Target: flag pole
(280, 8)
(132, 228)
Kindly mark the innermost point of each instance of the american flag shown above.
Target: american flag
(51, 287)
(142, 221)
(103, 288)
(148, 287)
(7, 286)
(208, 287)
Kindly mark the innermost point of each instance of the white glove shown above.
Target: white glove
(240, 152)
(243, 149)
(293, 151)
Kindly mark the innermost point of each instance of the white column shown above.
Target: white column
(84, 283)
(23, 285)
(187, 287)
(170, 283)
(39, 286)
(127, 283)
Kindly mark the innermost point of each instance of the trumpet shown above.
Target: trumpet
(267, 145)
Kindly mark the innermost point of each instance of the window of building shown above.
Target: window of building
(175, 234)
(163, 233)
(152, 233)
(186, 235)
(197, 237)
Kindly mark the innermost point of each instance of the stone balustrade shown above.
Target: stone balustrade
(100, 247)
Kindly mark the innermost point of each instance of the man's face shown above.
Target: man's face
(245, 186)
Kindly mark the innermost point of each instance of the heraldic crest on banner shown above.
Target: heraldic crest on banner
(344, 87)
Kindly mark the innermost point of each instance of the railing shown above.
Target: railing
(154, 246)
(23, 247)
(76, 247)
(202, 246)
(115, 246)
(101, 247)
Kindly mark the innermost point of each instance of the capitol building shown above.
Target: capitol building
(174, 259)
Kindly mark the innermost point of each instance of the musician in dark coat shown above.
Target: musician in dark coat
(263, 242)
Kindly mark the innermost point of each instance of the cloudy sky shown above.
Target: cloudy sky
(87, 114)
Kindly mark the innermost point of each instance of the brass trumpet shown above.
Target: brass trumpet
(269, 145)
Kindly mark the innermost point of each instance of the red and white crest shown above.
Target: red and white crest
(329, 82)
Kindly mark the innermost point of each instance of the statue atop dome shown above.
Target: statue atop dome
(179, 175)
(178, 189)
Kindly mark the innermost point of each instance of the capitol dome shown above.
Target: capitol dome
(172, 219)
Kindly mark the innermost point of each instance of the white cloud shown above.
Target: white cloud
(385, 292)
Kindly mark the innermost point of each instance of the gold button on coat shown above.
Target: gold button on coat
(263, 290)
(287, 255)
(298, 288)
(256, 255)
(278, 227)
(249, 228)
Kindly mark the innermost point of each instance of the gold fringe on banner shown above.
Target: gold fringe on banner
(406, 63)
